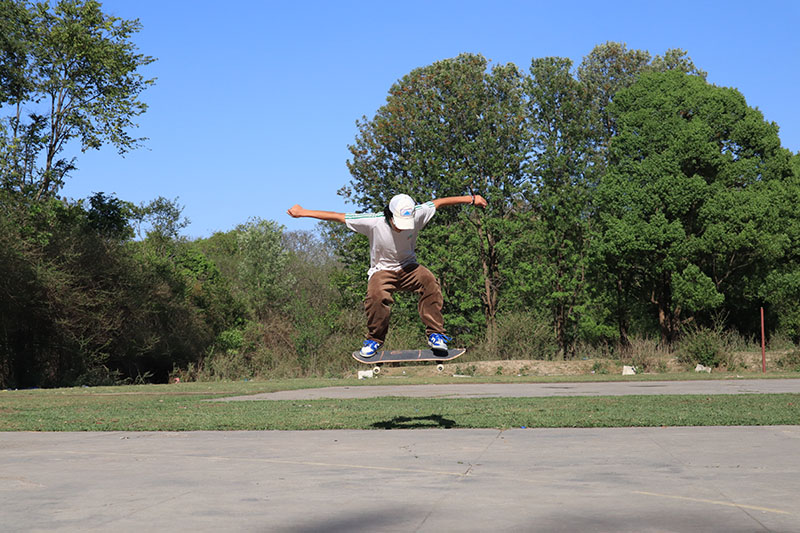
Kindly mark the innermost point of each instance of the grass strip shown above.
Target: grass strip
(101, 411)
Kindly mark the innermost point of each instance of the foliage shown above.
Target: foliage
(702, 346)
(519, 336)
(261, 267)
(781, 287)
(75, 71)
(610, 297)
(685, 205)
(76, 286)
(110, 217)
(162, 219)
(789, 361)
(559, 202)
(15, 38)
(646, 355)
(629, 201)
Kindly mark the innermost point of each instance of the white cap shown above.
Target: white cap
(402, 208)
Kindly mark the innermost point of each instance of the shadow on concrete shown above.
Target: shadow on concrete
(368, 521)
(406, 422)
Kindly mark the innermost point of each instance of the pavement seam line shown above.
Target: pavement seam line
(466, 473)
(274, 461)
(743, 508)
(714, 502)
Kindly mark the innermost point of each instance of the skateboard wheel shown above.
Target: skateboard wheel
(377, 369)
(439, 367)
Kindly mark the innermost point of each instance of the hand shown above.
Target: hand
(480, 201)
(295, 211)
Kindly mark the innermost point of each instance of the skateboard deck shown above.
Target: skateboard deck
(405, 356)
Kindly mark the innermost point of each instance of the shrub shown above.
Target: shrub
(600, 367)
(646, 354)
(518, 336)
(789, 361)
(702, 346)
(229, 341)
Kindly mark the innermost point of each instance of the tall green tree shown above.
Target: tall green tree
(612, 66)
(607, 69)
(15, 40)
(550, 268)
(781, 288)
(450, 128)
(684, 204)
(76, 72)
(262, 273)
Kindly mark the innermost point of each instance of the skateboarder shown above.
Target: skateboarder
(393, 262)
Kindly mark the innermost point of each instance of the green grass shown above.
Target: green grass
(181, 408)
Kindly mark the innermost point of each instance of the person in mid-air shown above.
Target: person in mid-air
(393, 263)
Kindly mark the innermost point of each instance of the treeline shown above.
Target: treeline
(103, 292)
(628, 199)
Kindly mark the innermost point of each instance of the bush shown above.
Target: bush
(789, 361)
(646, 354)
(229, 341)
(518, 336)
(98, 377)
(702, 346)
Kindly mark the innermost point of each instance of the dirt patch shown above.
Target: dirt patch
(492, 368)
(743, 361)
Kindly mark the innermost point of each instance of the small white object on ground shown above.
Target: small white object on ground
(363, 374)
(701, 368)
(628, 370)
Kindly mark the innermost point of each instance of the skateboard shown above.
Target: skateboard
(406, 356)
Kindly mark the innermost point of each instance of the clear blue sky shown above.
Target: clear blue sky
(256, 101)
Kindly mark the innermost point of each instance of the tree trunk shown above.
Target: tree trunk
(669, 322)
(561, 333)
(490, 298)
(622, 316)
(488, 256)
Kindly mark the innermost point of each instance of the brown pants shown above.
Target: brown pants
(413, 278)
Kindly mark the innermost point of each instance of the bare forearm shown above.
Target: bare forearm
(297, 212)
(460, 200)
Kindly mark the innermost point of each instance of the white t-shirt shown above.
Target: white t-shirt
(390, 249)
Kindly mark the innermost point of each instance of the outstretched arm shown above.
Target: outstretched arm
(296, 211)
(477, 199)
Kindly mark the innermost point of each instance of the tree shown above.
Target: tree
(551, 267)
(110, 216)
(607, 69)
(160, 219)
(781, 287)
(15, 38)
(610, 67)
(262, 275)
(261, 262)
(449, 129)
(78, 70)
(683, 205)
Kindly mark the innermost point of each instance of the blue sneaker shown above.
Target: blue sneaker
(370, 348)
(438, 341)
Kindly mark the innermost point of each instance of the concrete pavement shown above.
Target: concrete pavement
(717, 479)
(524, 390)
(714, 479)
